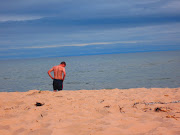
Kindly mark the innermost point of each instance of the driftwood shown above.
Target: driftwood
(172, 116)
(152, 103)
(162, 109)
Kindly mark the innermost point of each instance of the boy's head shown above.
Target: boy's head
(63, 64)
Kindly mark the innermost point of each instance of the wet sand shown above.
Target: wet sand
(139, 111)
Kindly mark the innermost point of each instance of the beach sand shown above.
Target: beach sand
(139, 111)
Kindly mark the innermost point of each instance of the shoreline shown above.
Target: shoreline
(91, 112)
(95, 89)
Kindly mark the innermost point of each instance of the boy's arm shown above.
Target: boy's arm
(64, 73)
(49, 72)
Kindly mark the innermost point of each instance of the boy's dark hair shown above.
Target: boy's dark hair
(63, 63)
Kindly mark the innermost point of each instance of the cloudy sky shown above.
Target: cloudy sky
(50, 28)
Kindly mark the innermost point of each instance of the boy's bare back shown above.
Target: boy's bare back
(58, 71)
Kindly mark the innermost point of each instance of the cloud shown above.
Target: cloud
(19, 18)
(85, 44)
(71, 45)
(34, 37)
(52, 24)
(65, 9)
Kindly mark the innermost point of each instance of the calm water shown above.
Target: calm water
(152, 69)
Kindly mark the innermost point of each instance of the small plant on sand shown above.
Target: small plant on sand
(40, 91)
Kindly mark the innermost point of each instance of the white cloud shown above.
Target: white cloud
(87, 9)
(6, 18)
(66, 45)
(85, 44)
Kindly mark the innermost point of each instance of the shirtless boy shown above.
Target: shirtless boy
(59, 76)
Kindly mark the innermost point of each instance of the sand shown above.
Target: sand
(140, 111)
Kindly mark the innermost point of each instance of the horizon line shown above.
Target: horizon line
(26, 58)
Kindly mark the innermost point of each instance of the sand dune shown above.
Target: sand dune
(139, 111)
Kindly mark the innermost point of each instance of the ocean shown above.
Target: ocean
(108, 71)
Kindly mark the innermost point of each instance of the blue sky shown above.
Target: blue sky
(50, 28)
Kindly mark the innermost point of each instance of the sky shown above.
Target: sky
(57, 28)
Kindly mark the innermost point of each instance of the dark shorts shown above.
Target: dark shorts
(57, 84)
